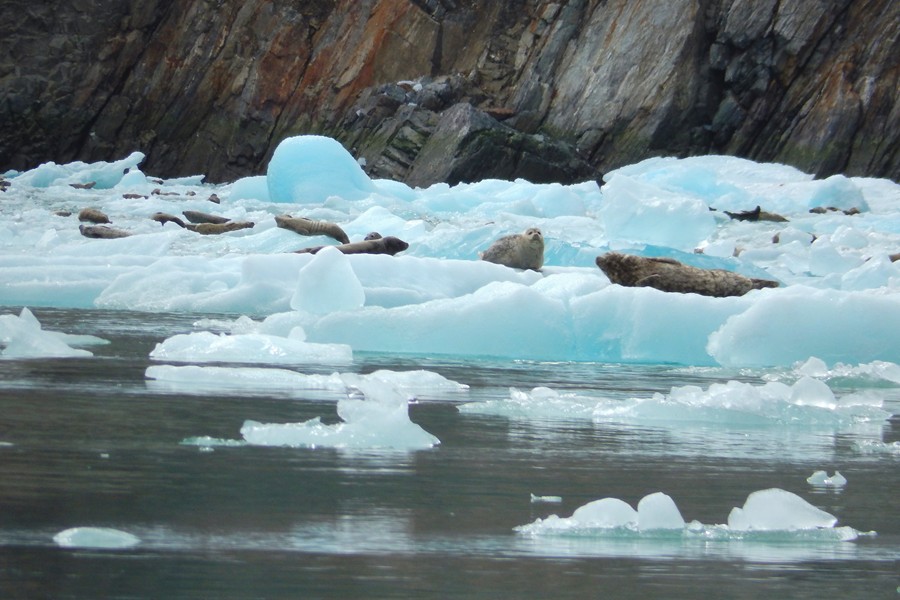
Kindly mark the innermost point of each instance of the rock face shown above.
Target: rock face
(450, 90)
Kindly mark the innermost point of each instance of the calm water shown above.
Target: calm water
(91, 444)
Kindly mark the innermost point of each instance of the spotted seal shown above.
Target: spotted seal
(518, 251)
(383, 245)
(102, 232)
(669, 275)
(92, 215)
(305, 226)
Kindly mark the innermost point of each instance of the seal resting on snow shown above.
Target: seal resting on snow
(195, 216)
(305, 226)
(518, 251)
(383, 245)
(669, 275)
(204, 228)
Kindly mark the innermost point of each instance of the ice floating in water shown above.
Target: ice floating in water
(328, 284)
(878, 447)
(764, 512)
(821, 478)
(257, 379)
(808, 402)
(877, 370)
(546, 499)
(375, 415)
(23, 337)
(204, 346)
(95, 537)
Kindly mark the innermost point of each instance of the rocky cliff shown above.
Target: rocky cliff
(452, 90)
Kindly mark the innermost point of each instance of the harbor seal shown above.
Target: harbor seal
(102, 232)
(195, 216)
(92, 215)
(385, 245)
(669, 275)
(518, 251)
(305, 226)
(203, 228)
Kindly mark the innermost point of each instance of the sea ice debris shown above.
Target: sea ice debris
(95, 537)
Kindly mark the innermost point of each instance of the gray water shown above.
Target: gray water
(89, 443)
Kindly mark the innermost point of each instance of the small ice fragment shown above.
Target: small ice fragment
(778, 510)
(546, 499)
(821, 478)
(658, 511)
(95, 537)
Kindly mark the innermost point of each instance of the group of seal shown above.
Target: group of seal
(669, 275)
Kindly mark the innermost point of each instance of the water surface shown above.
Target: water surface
(90, 442)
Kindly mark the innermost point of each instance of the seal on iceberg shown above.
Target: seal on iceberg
(92, 215)
(669, 275)
(102, 232)
(518, 251)
(383, 245)
(305, 226)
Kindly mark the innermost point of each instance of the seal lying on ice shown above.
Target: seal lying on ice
(385, 245)
(518, 251)
(305, 226)
(669, 275)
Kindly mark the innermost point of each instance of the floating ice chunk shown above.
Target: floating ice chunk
(658, 511)
(95, 537)
(381, 421)
(778, 510)
(328, 284)
(772, 510)
(821, 478)
(23, 337)
(812, 392)
(546, 499)
(204, 346)
(605, 513)
(310, 168)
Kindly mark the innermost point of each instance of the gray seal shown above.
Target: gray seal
(102, 232)
(518, 251)
(669, 275)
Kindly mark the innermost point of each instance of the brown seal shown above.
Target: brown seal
(385, 245)
(102, 232)
(195, 216)
(92, 215)
(217, 228)
(669, 275)
(518, 251)
(305, 226)
(756, 214)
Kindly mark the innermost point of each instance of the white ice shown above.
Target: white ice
(374, 415)
(764, 512)
(95, 537)
(807, 403)
(821, 478)
(24, 337)
(839, 299)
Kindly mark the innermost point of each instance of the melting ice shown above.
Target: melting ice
(839, 299)
(772, 514)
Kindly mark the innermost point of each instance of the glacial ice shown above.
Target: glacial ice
(807, 403)
(765, 512)
(839, 299)
(95, 537)
(373, 410)
(24, 337)
(821, 478)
